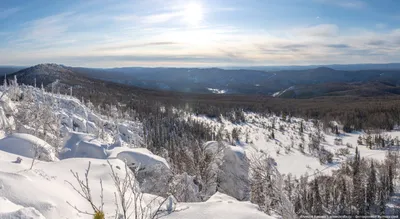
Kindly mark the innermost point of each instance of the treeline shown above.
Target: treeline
(360, 187)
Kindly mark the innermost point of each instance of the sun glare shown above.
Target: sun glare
(193, 14)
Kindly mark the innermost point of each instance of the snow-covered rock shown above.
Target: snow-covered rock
(153, 173)
(82, 145)
(79, 123)
(138, 157)
(91, 127)
(185, 188)
(234, 172)
(28, 146)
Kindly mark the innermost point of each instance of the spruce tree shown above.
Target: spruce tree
(371, 189)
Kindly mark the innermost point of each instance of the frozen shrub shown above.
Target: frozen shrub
(349, 145)
(325, 156)
(342, 152)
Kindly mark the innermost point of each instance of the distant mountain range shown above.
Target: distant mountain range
(316, 82)
(347, 67)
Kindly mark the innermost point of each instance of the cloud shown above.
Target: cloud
(338, 46)
(321, 30)
(159, 18)
(281, 48)
(136, 45)
(376, 42)
(380, 25)
(349, 4)
(157, 37)
(294, 47)
(4, 13)
(47, 28)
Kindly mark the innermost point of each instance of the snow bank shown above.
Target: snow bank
(44, 189)
(82, 145)
(28, 146)
(24, 213)
(138, 157)
(217, 207)
(7, 206)
(153, 173)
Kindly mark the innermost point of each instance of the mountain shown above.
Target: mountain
(215, 80)
(321, 81)
(367, 89)
(194, 80)
(348, 67)
(62, 79)
(5, 70)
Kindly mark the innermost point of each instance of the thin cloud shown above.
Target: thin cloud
(47, 28)
(338, 46)
(349, 4)
(376, 42)
(198, 58)
(380, 25)
(136, 45)
(159, 18)
(321, 30)
(7, 12)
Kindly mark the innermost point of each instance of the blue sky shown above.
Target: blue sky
(106, 33)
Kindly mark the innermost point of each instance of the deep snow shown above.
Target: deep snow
(43, 191)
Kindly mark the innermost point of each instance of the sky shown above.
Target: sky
(198, 33)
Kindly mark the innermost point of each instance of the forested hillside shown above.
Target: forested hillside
(182, 149)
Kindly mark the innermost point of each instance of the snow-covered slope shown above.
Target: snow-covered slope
(284, 147)
(70, 134)
(43, 192)
(44, 188)
(217, 207)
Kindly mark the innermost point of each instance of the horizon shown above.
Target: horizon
(206, 67)
(199, 33)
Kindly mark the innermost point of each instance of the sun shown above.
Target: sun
(193, 14)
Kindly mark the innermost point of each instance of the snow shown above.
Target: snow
(217, 207)
(28, 146)
(43, 191)
(216, 91)
(24, 213)
(279, 93)
(44, 188)
(292, 162)
(7, 206)
(83, 145)
(234, 176)
(138, 157)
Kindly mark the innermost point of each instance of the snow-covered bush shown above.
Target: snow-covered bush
(342, 152)
(185, 189)
(325, 156)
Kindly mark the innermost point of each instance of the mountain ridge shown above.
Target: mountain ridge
(225, 82)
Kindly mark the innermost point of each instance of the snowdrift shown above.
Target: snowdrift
(82, 145)
(217, 207)
(28, 146)
(138, 157)
(44, 188)
(43, 192)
